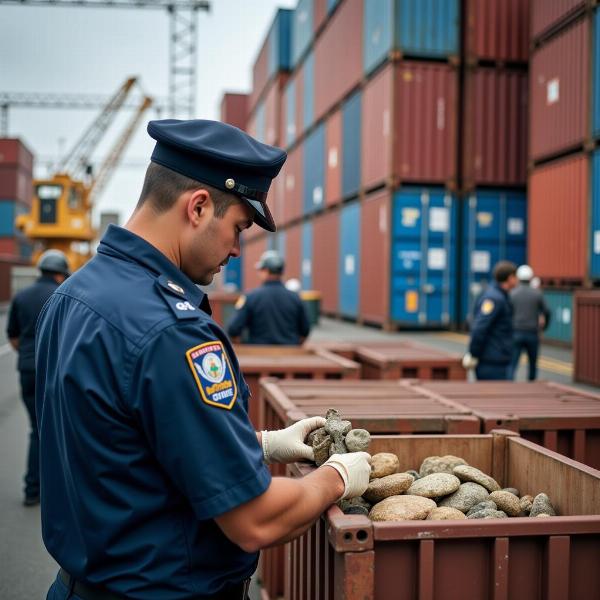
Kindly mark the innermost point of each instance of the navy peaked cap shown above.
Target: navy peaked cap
(222, 156)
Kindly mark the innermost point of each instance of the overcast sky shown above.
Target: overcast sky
(89, 50)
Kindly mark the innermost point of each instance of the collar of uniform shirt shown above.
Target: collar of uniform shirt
(131, 247)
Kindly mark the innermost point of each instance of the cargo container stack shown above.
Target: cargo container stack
(564, 120)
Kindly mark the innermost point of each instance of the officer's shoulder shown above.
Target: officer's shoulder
(175, 300)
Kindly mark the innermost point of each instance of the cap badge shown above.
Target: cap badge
(175, 287)
(229, 183)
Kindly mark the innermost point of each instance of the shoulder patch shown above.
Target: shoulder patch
(487, 307)
(240, 302)
(213, 375)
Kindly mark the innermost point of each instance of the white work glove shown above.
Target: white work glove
(469, 361)
(287, 445)
(355, 470)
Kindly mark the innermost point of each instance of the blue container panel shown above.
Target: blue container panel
(314, 170)
(280, 42)
(309, 91)
(260, 123)
(302, 29)
(349, 265)
(351, 128)
(596, 76)
(331, 4)
(377, 34)
(595, 233)
(561, 316)
(413, 305)
(307, 256)
(233, 273)
(290, 114)
(9, 211)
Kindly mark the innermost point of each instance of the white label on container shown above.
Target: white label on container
(386, 122)
(376, 36)
(306, 267)
(515, 226)
(596, 242)
(485, 219)
(480, 261)
(441, 114)
(290, 182)
(436, 259)
(291, 129)
(408, 258)
(317, 195)
(349, 264)
(439, 219)
(382, 219)
(552, 91)
(566, 315)
(410, 216)
(333, 158)
(303, 16)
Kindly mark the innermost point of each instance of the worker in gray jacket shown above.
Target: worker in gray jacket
(530, 316)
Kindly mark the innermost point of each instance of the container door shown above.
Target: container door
(351, 129)
(302, 29)
(560, 304)
(595, 233)
(308, 114)
(307, 253)
(349, 266)
(314, 170)
(377, 32)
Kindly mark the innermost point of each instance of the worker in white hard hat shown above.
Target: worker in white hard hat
(530, 317)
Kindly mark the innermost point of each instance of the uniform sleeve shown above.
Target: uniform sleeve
(207, 448)
(303, 324)
(485, 315)
(241, 318)
(13, 327)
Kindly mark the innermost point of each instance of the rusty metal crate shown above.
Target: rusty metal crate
(289, 362)
(349, 557)
(559, 417)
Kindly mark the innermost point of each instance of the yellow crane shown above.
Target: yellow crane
(60, 216)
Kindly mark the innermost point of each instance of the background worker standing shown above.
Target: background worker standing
(22, 318)
(530, 316)
(491, 346)
(271, 314)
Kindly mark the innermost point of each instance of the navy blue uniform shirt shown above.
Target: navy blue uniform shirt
(272, 314)
(144, 431)
(492, 329)
(24, 312)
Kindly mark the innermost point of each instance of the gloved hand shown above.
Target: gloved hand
(287, 445)
(355, 470)
(469, 361)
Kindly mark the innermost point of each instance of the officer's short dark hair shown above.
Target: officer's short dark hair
(163, 186)
(503, 270)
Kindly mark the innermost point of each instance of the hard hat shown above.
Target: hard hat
(53, 261)
(524, 273)
(293, 285)
(271, 261)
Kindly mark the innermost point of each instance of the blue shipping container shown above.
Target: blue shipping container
(260, 123)
(494, 228)
(9, 210)
(417, 28)
(423, 257)
(309, 91)
(560, 303)
(596, 75)
(349, 265)
(302, 29)
(307, 254)
(279, 40)
(314, 170)
(331, 4)
(290, 113)
(595, 218)
(233, 273)
(351, 138)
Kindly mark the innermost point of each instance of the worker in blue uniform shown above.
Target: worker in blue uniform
(154, 484)
(270, 314)
(491, 345)
(20, 330)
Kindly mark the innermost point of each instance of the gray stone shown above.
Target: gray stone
(507, 502)
(402, 508)
(316, 436)
(358, 440)
(440, 464)
(337, 429)
(485, 505)
(514, 491)
(525, 503)
(414, 473)
(434, 485)
(357, 510)
(542, 515)
(321, 451)
(445, 513)
(542, 505)
(467, 473)
(488, 513)
(357, 501)
(390, 485)
(465, 497)
(384, 463)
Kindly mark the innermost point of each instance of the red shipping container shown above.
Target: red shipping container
(375, 257)
(548, 14)
(497, 30)
(495, 127)
(319, 13)
(558, 221)
(326, 236)
(560, 92)
(299, 120)
(292, 174)
(273, 112)
(586, 338)
(251, 252)
(293, 252)
(234, 109)
(14, 153)
(338, 56)
(333, 156)
(9, 246)
(260, 74)
(16, 184)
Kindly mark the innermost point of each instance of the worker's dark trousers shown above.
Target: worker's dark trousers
(492, 371)
(530, 342)
(32, 475)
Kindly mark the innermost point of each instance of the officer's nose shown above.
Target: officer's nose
(235, 251)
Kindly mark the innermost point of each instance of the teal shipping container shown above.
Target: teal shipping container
(423, 257)
(307, 256)
(415, 28)
(302, 29)
(595, 220)
(233, 273)
(314, 170)
(596, 74)
(349, 260)
(560, 303)
(9, 211)
(279, 42)
(351, 146)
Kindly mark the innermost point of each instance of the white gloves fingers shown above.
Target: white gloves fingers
(287, 445)
(355, 470)
(469, 361)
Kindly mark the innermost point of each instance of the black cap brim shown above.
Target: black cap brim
(262, 215)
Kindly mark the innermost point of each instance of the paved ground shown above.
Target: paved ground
(26, 570)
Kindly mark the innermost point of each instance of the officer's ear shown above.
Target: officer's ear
(197, 206)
